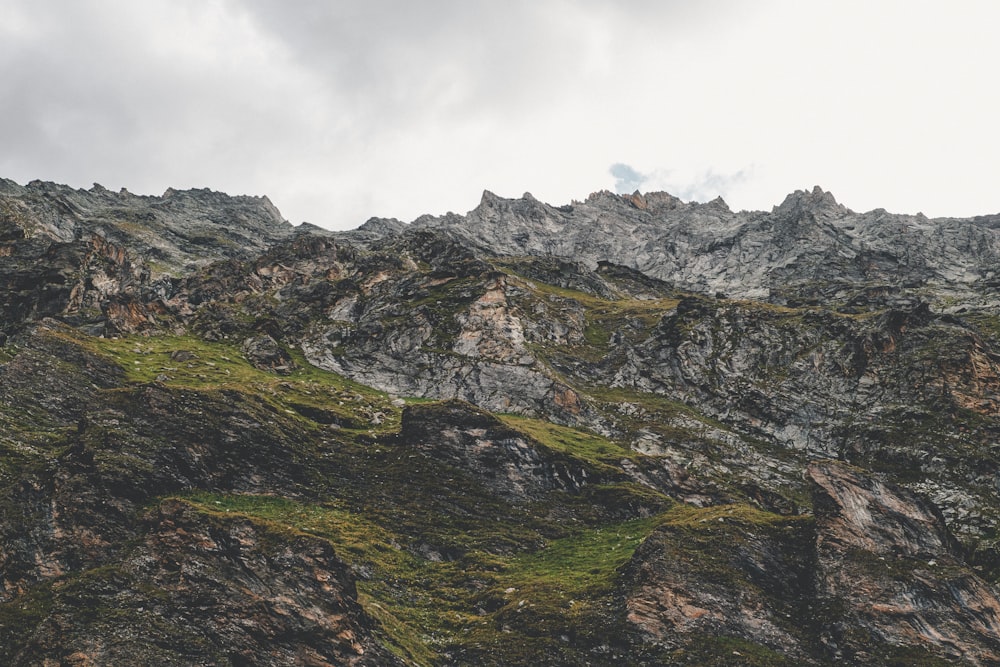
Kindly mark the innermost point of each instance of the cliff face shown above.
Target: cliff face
(887, 556)
(630, 430)
(88, 254)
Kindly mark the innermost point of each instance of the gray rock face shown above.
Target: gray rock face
(673, 596)
(513, 466)
(179, 228)
(866, 514)
(265, 353)
(91, 254)
(887, 556)
(808, 247)
(440, 335)
(873, 571)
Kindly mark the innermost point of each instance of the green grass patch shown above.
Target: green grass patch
(690, 517)
(305, 393)
(720, 651)
(431, 607)
(7, 353)
(580, 444)
(580, 567)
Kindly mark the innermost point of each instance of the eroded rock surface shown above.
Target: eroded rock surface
(568, 435)
(203, 589)
(809, 245)
(888, 558)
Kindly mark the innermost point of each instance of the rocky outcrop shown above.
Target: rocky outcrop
(443, 335)
(265, 353)
(94, 256)
(203, 588)
(874, 578)
(887, 559)
(509, 463)
(731, 574)
(179, 228)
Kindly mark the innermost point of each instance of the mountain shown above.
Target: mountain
(630, 430)
(808, 249)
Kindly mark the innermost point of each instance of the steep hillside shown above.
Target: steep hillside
(629, 431)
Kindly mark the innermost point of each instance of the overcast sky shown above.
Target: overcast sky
(343, 110)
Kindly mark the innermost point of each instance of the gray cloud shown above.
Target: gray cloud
(709, 184)
(337, 110)
(403, 61)
(627, 179)
(104, 92)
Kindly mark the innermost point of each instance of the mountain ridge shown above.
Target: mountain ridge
(629, 430)
(808, 238)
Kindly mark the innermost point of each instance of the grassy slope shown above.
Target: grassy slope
(514, 584)
(447, 569)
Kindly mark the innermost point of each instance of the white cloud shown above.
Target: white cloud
(700, 186)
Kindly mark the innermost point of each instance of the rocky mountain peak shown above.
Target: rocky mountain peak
(492, 202)
(181, 226)
(653, 202)
(489, 199)
(816, 201)
(809, 239)
(602, 195)
(720, 204)
(629, 430)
